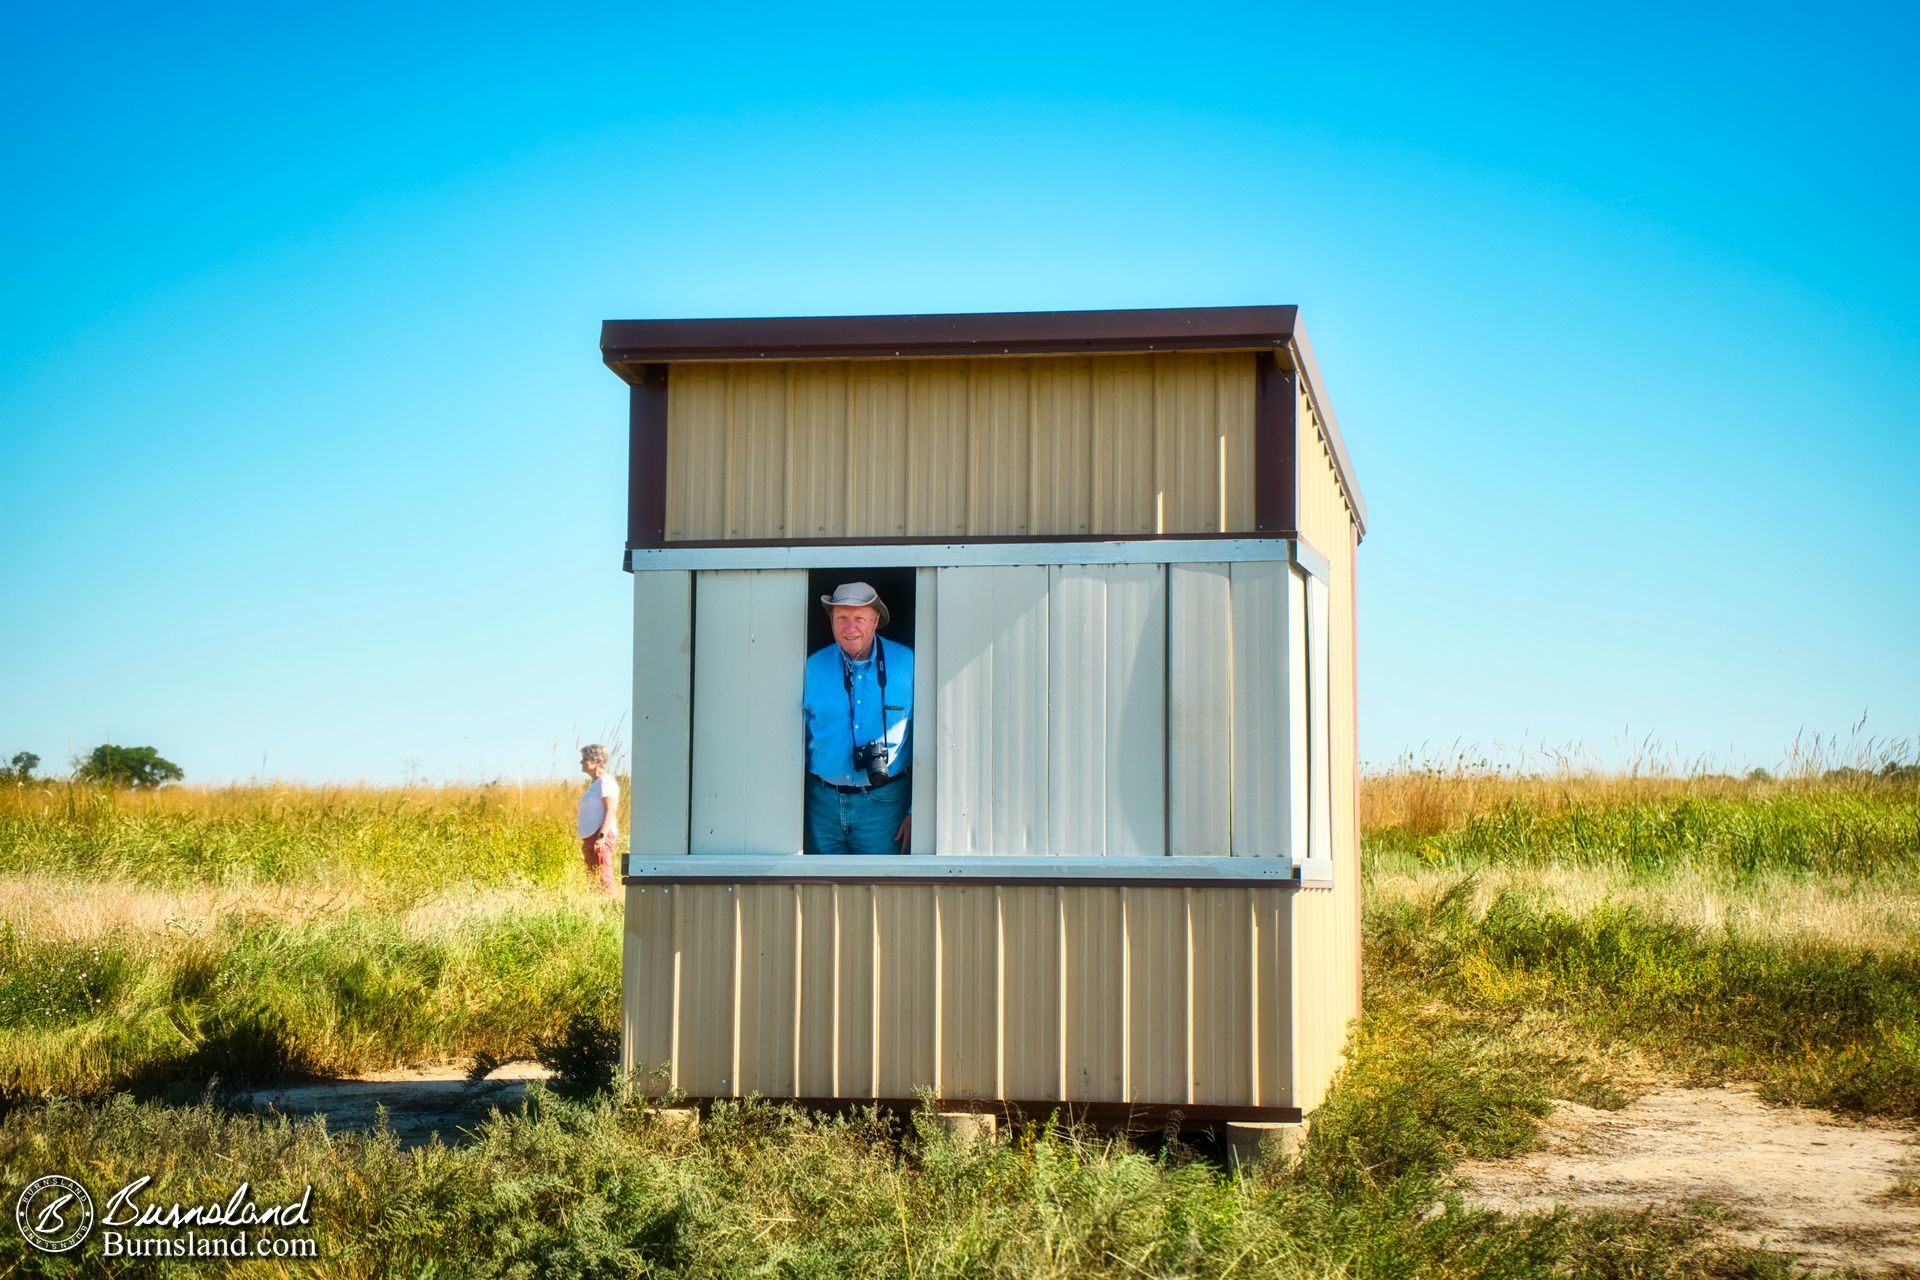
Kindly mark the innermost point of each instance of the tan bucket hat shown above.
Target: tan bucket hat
(855, 594)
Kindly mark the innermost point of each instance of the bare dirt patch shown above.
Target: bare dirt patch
(1796, 1180)
(418, 1102)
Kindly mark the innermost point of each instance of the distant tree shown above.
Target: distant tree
(127, 767)
(24, 763)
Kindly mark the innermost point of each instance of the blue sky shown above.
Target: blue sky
(310, 468)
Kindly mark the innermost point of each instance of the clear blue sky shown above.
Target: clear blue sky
(309, 467)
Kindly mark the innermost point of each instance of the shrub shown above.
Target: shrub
(583, 1057)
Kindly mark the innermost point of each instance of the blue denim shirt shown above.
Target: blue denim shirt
(831, 734)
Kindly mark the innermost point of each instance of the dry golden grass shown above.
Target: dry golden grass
(55, 909)
(1828, 854)
(527, 802)
(1424, 797)
(1426, 802)
(1782, 910)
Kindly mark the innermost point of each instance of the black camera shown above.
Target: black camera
(872, 759)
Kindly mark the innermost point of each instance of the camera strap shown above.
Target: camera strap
(880, 669)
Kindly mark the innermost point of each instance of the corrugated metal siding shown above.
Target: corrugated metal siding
(1326, 941)
(882, 448)
(1032, 1026)
(972, 989)
(649, 987)
(906, 989)
(1152, 995)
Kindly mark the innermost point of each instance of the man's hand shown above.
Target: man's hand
(904, 836)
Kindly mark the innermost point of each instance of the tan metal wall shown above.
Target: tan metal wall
(817, 449)
(1326, 937)
(1032, 993)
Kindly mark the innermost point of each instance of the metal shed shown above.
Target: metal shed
(1127, 544)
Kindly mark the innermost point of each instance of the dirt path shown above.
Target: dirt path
(1800, 1181)
(419, 1101)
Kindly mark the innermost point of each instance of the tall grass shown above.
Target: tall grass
(383, 843)
(1851, 822)
(1754, 928)
(1527, 938)
(158, 940)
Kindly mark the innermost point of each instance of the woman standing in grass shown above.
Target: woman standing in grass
(599, 827)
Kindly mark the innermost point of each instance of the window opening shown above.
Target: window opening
(896, 589)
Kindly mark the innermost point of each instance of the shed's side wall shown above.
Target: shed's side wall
(1326, 938)
(1032, 993)
(1041, 445)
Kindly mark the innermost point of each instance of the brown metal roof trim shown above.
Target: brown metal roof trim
(628, 342)
(629, 346)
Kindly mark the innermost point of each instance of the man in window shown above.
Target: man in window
(858, 711)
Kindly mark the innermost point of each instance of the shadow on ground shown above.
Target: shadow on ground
(417, 1103)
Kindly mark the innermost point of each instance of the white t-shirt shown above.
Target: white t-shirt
(601, 788)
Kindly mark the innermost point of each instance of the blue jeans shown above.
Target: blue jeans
(855, 821)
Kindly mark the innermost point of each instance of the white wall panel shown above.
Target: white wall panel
(1199, 710)
(1319, 787)
(1107, 725)
(926, 711)
(1262, 817)
(1299, 700)
(748, 742)
(662, 711)
(1077, 715)
(991, 712)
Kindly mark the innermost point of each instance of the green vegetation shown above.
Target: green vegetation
(1817, 1023)
(1719, 929)
(1527, 940)
(114, 766)
(158, 941)
(604, 1189)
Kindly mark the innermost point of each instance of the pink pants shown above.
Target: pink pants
(597, 851)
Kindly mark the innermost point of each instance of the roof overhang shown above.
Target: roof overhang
(628, 346)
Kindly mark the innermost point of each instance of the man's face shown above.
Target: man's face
(853, 628)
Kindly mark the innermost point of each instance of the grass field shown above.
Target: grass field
(1527, 938)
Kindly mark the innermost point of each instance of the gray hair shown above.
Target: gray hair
(593, 753)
